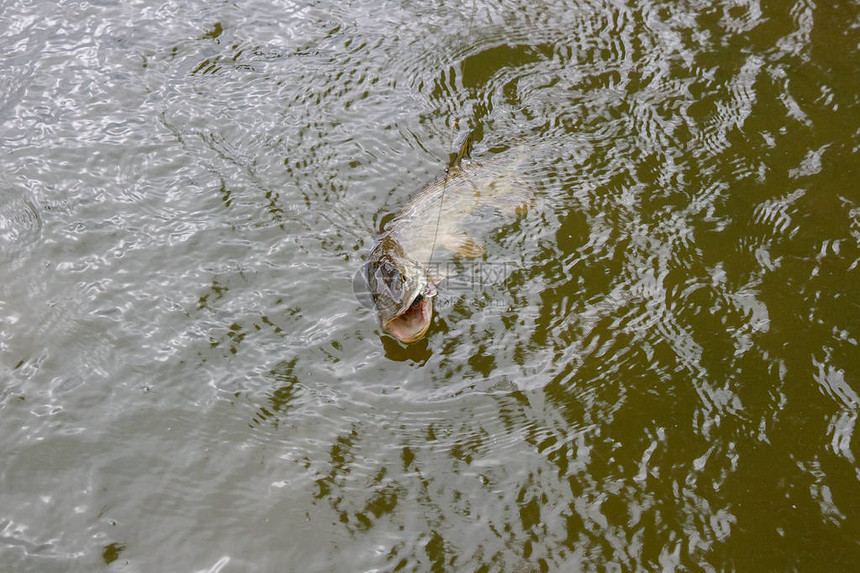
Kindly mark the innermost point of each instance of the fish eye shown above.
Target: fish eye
(403, 277)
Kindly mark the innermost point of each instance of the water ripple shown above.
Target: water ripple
(661, 378)
(20, 224)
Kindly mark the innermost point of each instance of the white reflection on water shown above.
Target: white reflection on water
(660, 375)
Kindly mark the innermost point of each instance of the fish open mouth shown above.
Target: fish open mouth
(411, 324)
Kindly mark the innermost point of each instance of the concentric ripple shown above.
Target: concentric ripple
(654, 367)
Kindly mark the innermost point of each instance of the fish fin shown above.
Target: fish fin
(463, 245)
(465, 151)
(515, 199)
(514, 206)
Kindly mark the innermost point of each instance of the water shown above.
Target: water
(663, 376)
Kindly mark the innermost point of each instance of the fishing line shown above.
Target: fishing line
(454, 125)
(461, 151)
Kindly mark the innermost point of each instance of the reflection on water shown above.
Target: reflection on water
(662, 378)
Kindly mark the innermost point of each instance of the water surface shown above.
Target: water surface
(664, 375)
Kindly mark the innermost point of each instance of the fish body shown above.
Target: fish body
(399, 272)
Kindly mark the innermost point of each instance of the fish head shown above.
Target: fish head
(401, 291)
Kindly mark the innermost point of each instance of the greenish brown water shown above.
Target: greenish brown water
(664, 375)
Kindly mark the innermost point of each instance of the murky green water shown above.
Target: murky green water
(664, 374)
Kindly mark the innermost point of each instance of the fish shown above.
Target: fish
(399, 273)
